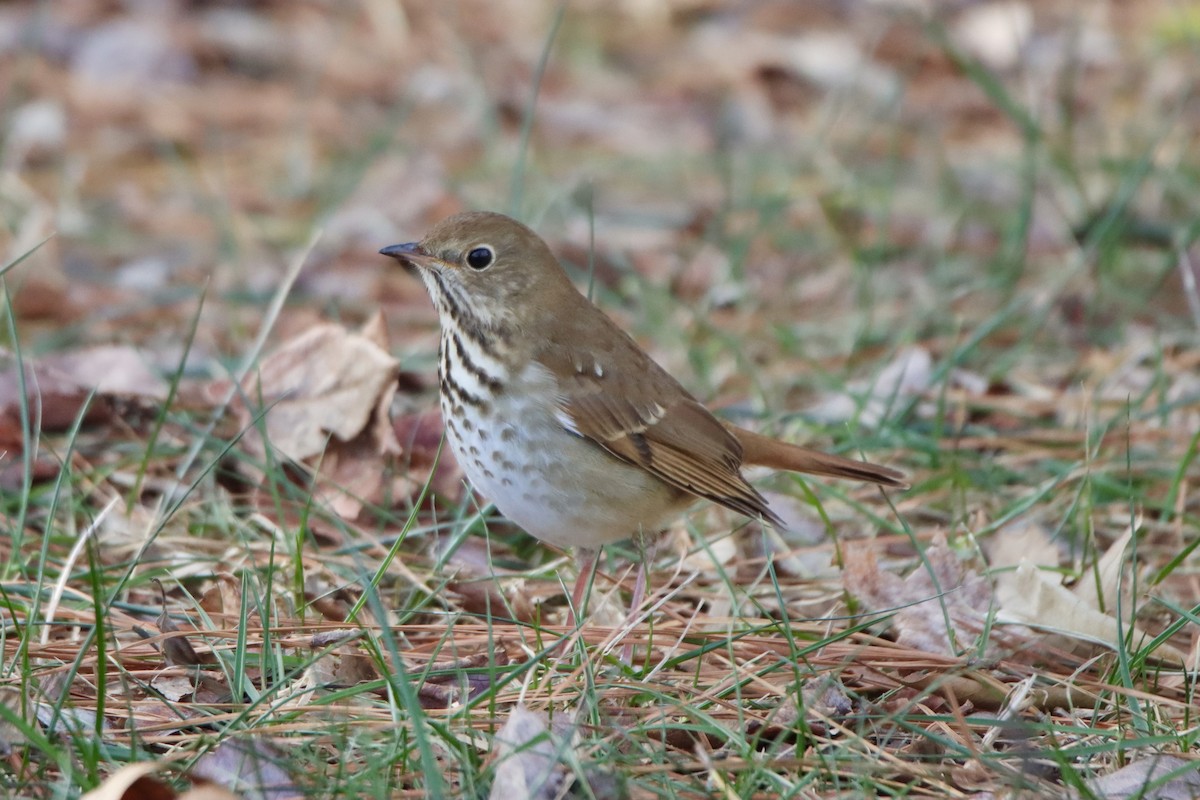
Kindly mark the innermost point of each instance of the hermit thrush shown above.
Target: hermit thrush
(559, 418)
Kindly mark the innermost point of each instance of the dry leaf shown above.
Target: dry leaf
(54, 399)
(1037, 598)
(939, 608)
(61, 390)
(137, 782)
(177, 649)
(254, 768)
(327, 382)
(132, 782)
(109, 370)
(1143, 779)
(528, 761)
(1027, 541)
(326, 396)
(1029, 596)
(173, 687)
(224, 597)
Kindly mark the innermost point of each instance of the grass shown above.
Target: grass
(373, 658)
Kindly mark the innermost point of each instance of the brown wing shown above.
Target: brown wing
(643, 416)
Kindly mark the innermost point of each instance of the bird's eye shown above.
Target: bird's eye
(481, 257)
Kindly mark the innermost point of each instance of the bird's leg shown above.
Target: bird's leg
(647, 547)
(587, 570)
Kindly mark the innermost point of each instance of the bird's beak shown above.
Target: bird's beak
(410, 254)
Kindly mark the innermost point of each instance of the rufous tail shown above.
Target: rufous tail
(767, 452)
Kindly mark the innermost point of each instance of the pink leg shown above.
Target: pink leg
(587, 570)
(648, 545)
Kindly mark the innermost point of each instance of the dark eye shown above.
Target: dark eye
(480, 257)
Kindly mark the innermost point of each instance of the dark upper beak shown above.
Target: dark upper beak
(409, 253)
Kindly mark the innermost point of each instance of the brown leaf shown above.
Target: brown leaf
(1144, 779)
(177, 649)
(59, 391)
(528, 764)
(1036, 598)
(132, 782)
(941, 607)
(173, 687)
(254, 767)
(224, 597)
(109, 370)
(54, 400)
(327, 395)
(327, 382)
(345, 665)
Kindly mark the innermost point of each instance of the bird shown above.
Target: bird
(561, 420)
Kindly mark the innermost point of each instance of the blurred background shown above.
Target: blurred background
(957, 238)
(809, 178)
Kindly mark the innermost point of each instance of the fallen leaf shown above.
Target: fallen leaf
(223, 597)
(254, 768)
(1026, 541)
(132, 782)
(1031, 597)
(137, 782)
(177, 650)
(109, 370)
(941, 607)
(1158, 777)
(173, 687)
(326, 396)
(327, 382)
(528, 759)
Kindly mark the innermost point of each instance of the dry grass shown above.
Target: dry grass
(787, 204)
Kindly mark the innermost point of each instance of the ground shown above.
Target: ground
(954, 238)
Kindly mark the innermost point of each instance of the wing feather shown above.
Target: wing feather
(652, 421)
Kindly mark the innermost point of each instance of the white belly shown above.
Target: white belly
(560, 488)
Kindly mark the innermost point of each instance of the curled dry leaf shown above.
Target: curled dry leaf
(59, 390)
(254, 767)
(57, 385)
(132, 782)
(1153, 778)
(137, 782)
(1030, 597)
(1036, 598)
(326, 395)
(328, 383)
(941, 607)
(529, 762)
(177, 649)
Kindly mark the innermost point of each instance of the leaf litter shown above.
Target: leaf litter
(897, 650)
